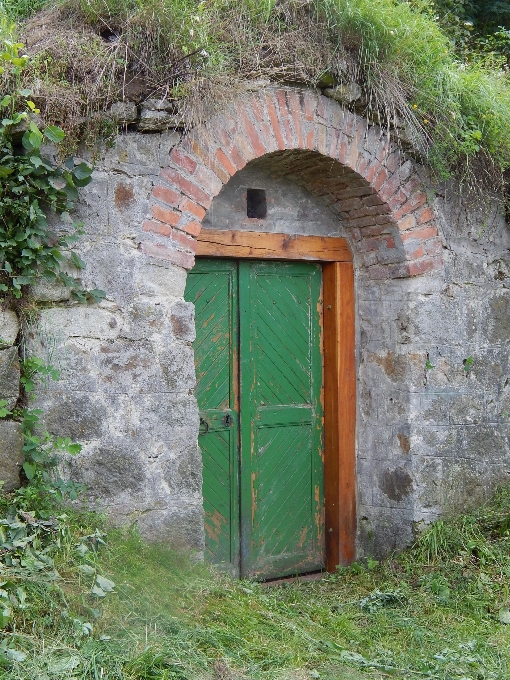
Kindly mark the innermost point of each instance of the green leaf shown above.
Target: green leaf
(105, 584)
(97, 294)
(5, 101)
(77, 261)
(57, 183)
(29, 469)
(25, 93)
(82, 171)
(54, 134)
(504, 615)
(15, 655)
(98, 592)
(86, 569)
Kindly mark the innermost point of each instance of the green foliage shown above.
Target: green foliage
(31, 188)
(17, 10)
(122, 609)
(415, 79)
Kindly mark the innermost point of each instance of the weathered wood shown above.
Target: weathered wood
(262, 245)
(339, 413)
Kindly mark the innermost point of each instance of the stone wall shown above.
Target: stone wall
(431, 290)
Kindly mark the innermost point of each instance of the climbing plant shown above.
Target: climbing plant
(32, 188)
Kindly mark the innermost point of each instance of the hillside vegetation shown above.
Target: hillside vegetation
(87, 604)
(437, 78)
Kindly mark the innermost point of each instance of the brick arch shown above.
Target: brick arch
(310, 139)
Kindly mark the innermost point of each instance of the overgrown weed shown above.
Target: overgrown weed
(435, 611)
(90, 53)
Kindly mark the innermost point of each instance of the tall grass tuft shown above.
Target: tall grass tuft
(451, 112)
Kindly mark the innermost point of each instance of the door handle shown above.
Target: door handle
(204, 426)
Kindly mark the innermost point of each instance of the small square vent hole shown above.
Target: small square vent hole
(256, 204)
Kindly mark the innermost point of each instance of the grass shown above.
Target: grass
(197, 53)
(435, 611)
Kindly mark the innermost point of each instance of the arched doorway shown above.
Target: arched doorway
(275, 367)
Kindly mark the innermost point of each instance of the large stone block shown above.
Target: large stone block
(9, 327)
(9, 376)
(11, 454)
(81, 321)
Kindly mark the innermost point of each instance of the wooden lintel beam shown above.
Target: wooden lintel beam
(263, 245)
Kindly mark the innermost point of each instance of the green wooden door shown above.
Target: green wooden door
(213, 287)
(258, 326)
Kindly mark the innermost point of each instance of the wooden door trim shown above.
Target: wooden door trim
(339, 413)
(263, 245)
(339, 364)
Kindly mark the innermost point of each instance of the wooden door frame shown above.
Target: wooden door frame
(339, 363)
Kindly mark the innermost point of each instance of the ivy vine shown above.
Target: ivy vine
(32, 187)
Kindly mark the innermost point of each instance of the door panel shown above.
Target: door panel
(259, 328)
(212, 287)
(281, 418)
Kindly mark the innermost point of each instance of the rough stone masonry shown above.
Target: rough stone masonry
(432, 315)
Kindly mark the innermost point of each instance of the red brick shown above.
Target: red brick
(355, 192)
(193, 228)
(372, 171)
(309, 104)
(343, 150)
(168, 196)
(275, 123)
(412, 185)
(177, 257)
(355, 150)
(182, 160)
(377, 230)
(384, 219)
(295, 111)
(425, 265)
(425, 215)
(403, 210)
(163, 215)
(433, 247)
(361, 222)
(407, 222)
(321, 107)
(374, 200)
(209, 180)
(349, 204)
(188, 206)
(396, 200)
(413, 254)
(243, 147)
(419, 234)
(281, 100)
(250, 131)
(362, 165)
(310, 139)
(290, 142)
(378, 242)
(187, 187)
(157, 228)
(334, 136)
(380, 179)
(201, 149)
(267, 136)
(184, 240)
